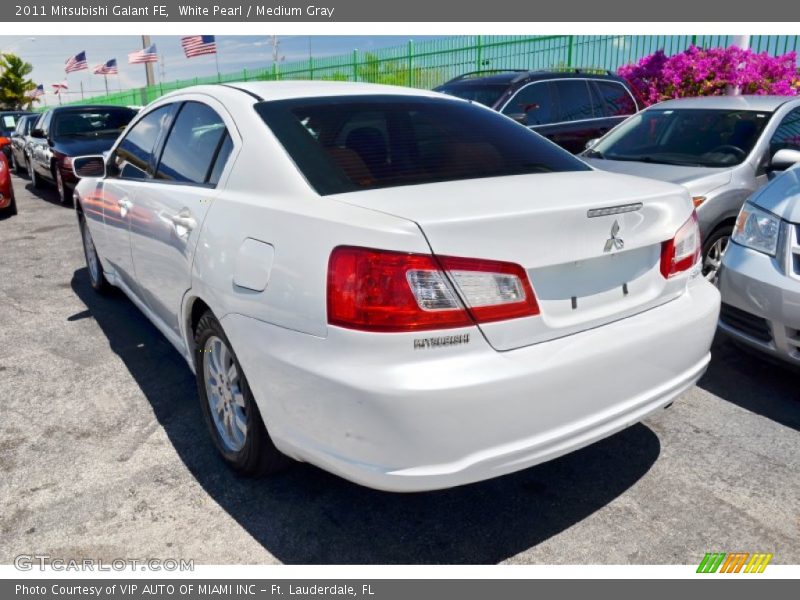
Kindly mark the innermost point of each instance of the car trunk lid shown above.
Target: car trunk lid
(590, 242)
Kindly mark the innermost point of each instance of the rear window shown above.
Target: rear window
(93, 123)
(351, 143)
(487, 94)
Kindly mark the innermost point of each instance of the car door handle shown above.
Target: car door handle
(125, 206)
(184, 222)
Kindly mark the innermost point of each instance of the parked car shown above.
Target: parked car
(68, 131)
(721, 148)
(8, 123)
(8, 204)
(20, 141)
(569, 107)
(361, 278)
(760, 275)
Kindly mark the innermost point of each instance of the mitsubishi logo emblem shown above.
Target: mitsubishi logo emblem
(614, 242)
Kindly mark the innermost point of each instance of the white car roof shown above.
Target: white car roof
(285, 90)
(760, 103)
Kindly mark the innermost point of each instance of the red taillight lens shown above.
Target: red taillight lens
(681, 252)
(379, 290)
(4, 141)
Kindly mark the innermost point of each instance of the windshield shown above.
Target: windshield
(692, 137)
(95, 123)
(349, 143)
(487, 94)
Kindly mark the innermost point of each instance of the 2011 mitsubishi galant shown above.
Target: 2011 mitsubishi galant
(406, 289)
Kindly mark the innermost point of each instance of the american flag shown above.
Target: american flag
(76, 63)
(107, 68)
(39, 91)
(197, 45)
(146, 55)
(58, 87)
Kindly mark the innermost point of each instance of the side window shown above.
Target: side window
(787, 135)
(192, 145)
(134, 154)
(616, 100)
(44, 122)
(574, 101)
(535, 101)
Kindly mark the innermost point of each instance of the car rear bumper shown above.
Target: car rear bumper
(373, 410)
(761, 303)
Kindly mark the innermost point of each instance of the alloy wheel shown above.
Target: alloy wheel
(713, 259)
(224, 394)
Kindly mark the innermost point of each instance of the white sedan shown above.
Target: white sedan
(405, 289)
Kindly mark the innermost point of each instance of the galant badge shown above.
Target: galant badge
(614, 242)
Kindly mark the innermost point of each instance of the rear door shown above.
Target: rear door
(172, 205)
(614, 103)
(40, 153)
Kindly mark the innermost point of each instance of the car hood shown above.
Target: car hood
(84, 146)
(698, 180)
(782, 196)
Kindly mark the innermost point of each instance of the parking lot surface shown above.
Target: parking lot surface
(103, 455)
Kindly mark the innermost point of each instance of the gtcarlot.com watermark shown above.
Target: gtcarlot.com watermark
(44, 562)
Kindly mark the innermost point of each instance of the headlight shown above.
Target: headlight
(757, 229)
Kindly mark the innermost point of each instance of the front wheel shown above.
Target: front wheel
(228, 406)
(713, 252)
(96, 276)
(37, 181)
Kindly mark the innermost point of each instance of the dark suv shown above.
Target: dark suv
(569, 107)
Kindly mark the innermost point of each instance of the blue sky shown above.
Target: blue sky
(47, 54)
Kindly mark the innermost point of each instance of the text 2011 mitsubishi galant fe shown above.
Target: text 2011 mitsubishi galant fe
(406, 289)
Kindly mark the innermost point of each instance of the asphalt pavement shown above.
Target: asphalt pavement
(103, 454)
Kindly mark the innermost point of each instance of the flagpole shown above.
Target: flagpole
(216, 61)
(105, 80)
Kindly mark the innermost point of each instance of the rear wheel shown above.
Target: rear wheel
(713, 251)
(228, 406)
(64, 193)
(96, 276)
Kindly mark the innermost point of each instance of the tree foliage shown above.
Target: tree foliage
(15, 86)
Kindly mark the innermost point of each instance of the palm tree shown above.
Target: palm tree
(15, 87)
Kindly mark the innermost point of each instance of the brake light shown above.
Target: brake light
(681, 252)
(379, 290)
(4, 141)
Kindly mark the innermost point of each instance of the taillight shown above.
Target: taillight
(379, 290)
(681, 252)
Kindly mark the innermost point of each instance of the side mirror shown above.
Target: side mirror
(784, 158)
(520, 118)
(89, 166)
(37, 133)
(592, 143)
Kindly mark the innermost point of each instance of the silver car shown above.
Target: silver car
(721, 148)
(760, 275)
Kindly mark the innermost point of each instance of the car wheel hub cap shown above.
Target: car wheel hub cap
(225, 397)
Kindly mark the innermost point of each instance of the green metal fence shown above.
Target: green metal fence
(430, 63)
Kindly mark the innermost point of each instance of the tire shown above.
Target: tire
(11, 209)
(64, 193)
(37, 181)
(713, 251)
(18, 169)
(96, 276)
(12, 162)
(250, 453)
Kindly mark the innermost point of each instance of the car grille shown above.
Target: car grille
(746, 323)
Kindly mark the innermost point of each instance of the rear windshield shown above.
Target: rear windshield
(485, 93)
(93, 123)
(350, 143)
(8, 123)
